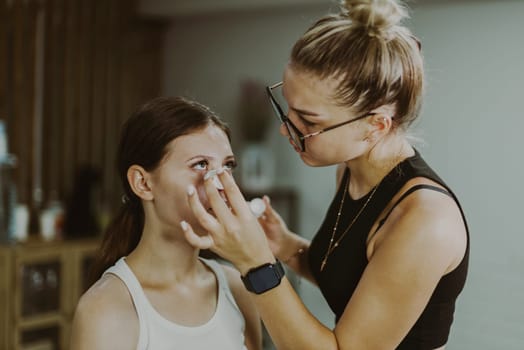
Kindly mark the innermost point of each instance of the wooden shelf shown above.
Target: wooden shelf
(40, 321)
(40, 284)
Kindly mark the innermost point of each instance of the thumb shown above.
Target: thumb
(200, 242)
(270, 214)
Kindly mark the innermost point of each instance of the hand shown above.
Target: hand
(233, 232)
(275, 228)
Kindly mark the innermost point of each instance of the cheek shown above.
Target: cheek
(202, 196)
(326, 150)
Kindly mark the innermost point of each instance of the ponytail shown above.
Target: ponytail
(120, 238)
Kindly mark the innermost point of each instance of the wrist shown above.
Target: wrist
(293, 256)
(293, 247)
(255, 262)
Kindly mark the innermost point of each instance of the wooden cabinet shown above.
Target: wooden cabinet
(40, 284)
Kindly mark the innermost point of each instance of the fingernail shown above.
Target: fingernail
(184, 225)
(210, 174)
(217, 183)
(220, 170)
(190, 190)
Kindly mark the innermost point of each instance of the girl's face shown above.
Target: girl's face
(311, 108)
(188, 159)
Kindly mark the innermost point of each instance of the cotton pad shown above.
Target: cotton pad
(257, 206)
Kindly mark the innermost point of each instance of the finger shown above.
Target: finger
(267, 202)
(219, 206)
(270, 213)
(234, 196)
(200, 242)
(206, 220)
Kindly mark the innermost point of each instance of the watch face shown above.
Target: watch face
(264, 278)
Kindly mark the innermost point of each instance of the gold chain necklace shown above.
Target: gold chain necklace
(332, 244)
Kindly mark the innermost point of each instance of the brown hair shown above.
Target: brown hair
(143, 141)
(376, 60)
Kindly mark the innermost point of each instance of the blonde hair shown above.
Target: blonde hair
(376, 59)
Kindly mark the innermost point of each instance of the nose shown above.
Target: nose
(212, 174)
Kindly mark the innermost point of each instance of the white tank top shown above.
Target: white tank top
(224, 331)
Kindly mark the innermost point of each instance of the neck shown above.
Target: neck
(368, 170)
(163, 257)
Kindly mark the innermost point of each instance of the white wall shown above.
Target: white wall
(472, 123)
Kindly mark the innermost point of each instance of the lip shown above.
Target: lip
(293, 145)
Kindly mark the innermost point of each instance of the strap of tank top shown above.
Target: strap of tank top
(407, 193)
(219, 272)
(223, 283)
(126, 275)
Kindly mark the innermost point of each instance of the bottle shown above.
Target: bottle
(8, 194)
(20, 228)
(3, 142)
(51, 220)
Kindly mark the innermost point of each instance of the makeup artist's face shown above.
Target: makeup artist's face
(188, 159)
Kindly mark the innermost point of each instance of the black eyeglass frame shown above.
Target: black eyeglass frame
(293, 130)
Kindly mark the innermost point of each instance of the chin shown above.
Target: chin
(312, 162)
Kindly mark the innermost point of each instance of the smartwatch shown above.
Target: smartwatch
(264, 277)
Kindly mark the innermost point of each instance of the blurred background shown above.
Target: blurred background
(72, 70)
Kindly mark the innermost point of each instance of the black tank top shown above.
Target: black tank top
(346, 264)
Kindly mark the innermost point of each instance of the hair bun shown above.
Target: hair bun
(377, 16)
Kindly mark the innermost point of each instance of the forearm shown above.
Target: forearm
(290, 325)
(295, 256)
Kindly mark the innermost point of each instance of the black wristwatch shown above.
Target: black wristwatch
(264, 277)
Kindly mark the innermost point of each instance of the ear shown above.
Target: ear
(380, 124)
(138, 181)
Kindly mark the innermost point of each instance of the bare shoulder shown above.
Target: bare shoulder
(429, 221)
(104, 310)
(422, 239)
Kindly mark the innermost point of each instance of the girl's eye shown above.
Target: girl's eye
(231, 165)
(201, 165)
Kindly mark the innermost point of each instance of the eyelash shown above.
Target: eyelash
(232, 164)
(306, 122)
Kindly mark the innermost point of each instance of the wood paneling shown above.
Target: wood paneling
(100, 62)
(22, 92)
(4, 78)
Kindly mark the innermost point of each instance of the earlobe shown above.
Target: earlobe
(137, 178)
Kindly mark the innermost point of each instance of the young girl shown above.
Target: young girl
(153, 291)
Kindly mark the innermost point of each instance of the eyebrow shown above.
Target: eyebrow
(201, 156)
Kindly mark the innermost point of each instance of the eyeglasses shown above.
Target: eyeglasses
(296, 136)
